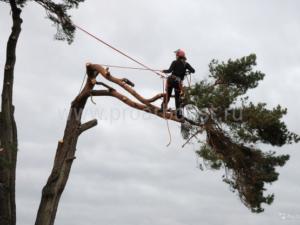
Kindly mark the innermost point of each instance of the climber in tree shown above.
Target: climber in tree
(178, 70)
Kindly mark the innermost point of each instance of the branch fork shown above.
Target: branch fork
(139, 103)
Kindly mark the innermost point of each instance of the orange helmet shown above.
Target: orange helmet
(180, 53)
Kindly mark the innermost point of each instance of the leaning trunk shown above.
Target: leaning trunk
(65, 154)
(8, 130)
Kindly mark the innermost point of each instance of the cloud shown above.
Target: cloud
(123, 173)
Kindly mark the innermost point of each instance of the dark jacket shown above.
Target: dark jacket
(179, 68)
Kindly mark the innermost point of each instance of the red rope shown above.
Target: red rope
(119, 51)
(125, 67)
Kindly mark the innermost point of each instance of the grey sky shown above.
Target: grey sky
(124, 174)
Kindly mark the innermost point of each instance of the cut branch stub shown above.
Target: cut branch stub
(88, 125)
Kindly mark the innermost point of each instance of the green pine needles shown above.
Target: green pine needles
(236, 129)
(57, 12)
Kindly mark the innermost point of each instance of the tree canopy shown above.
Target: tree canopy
(237, 130)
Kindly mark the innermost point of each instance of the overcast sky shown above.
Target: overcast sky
(124, 174)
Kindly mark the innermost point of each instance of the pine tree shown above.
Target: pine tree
(236, 129)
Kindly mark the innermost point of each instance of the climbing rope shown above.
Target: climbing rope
(82, 83)
(91, 97)
(145, 67)
(189, 79)
(167, 121)
(119, 51)
(125, 67)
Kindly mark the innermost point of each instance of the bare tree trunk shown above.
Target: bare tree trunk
(65, 154)
(8, 129)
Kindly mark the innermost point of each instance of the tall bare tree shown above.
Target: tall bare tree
(66, 149)
(8, 129)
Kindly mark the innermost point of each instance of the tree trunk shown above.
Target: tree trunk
(65, 154)
(66, 149)
(8, 129)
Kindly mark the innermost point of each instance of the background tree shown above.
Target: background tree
(231, 141)
(57, 13)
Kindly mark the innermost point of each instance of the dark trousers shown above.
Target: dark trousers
(172, 83)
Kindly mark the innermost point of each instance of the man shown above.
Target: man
(178, 70)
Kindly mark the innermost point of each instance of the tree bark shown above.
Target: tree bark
(65, 154)
(8, 129)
